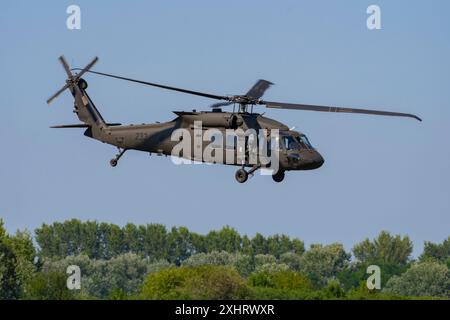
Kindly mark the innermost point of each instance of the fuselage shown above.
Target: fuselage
(293, 148)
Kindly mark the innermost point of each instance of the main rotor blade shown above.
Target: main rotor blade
(293, 106)
(89, 66)
(259, 88)
(57, 94)
(220, 104)
(197, 93)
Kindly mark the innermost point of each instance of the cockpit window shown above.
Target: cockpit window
(304, 141)
(290, 143)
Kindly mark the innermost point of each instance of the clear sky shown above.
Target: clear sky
(380, 173)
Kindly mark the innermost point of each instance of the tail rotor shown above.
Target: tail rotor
(72, 79)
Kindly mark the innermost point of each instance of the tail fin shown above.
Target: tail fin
(84, 107)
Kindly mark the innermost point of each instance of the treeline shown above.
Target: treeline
(152, 241)
(152, 262)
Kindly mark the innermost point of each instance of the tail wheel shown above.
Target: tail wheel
(113, 162)
(278, 177)
(241, 176)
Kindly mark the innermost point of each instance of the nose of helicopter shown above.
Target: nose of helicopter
(318, 160)
(314, 160)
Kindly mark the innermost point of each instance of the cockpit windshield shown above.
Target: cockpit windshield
(290, 143)
(304, 141)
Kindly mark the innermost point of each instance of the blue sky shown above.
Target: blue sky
(379, 174)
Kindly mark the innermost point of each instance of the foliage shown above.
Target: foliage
(286, 279)
(363, 293)
(333, 290)
(356, 273)
(385, 249)
(272, 267)
(291, 259)
(152, 241)
(286, 284)
(49, 286)
(153, 262)
(241, 262)
(422, 279)
(17, 255)
(323, 263)
(204, 282)
(9, 282)
(437, 251)
(102, 278)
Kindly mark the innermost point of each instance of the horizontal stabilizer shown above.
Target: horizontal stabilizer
(81, 125)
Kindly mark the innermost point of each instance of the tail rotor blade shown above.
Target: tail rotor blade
(88, 67)
(72, 79)
(57, 94)
(65, 66)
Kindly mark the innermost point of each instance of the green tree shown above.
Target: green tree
(133, 238)
(385, 249)
(281, 284)
(24, 251)
(226, 239)
(240, 262)
(422, 279)
(204, 282)
(180, 245)
(111, 241)
(90, 241)
(158, 266)
(291, 259)
(246, 247)
(9, 280)
(17, 255)
(259, 244)
(356, 273)
(100, 278)
(48, 286)
(298, 246)
(437, 251)
(156, 240)
(323, 263)
(261, 259)
(287, 279)
(279, 244)
(125, 272)
(72, 237)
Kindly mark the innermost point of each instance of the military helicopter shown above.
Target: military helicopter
(295, 152)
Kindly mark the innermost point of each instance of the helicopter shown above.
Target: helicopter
(293, 149)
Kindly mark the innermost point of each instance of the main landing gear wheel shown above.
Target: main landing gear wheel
(113, 162)
(241, 176)
(278, 177)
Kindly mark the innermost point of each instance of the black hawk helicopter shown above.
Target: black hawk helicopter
(294, 150)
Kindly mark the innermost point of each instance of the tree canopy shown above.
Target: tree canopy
(154, 262)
